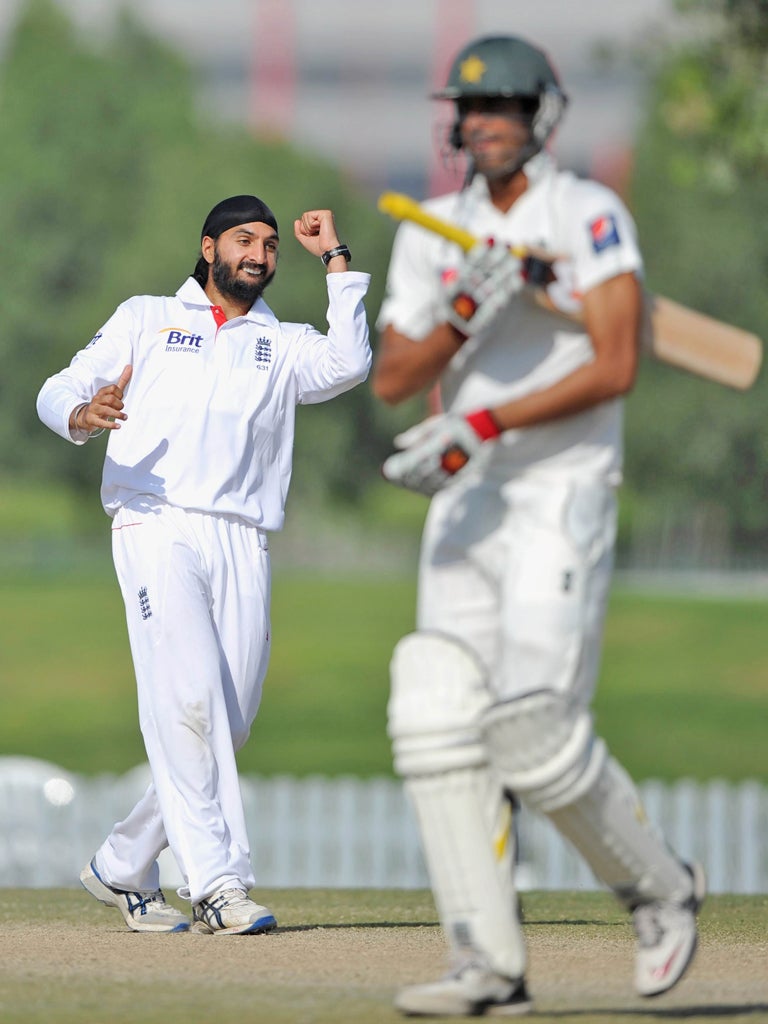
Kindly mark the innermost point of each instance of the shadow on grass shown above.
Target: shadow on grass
(670, 1013)
(355, 924)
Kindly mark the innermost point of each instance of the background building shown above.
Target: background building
(350, 80)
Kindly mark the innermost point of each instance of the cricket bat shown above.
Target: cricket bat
(670, 332)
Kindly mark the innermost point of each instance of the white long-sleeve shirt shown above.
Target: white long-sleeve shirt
(211, 408)
(524, 349)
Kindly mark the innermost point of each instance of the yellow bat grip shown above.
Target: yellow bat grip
(402, 207)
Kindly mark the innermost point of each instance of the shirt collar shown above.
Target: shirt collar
(192, 293)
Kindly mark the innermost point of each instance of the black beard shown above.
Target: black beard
(226, 280)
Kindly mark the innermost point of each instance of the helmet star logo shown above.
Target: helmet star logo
(472, 69)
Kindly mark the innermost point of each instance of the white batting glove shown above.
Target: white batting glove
(487, 279)
(436, 449)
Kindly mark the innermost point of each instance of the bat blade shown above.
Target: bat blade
(671, 333)
(692, 341)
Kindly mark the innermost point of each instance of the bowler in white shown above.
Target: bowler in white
(198, 392)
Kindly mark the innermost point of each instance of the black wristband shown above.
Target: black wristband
(340, 250)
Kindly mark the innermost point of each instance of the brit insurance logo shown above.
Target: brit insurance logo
(262, 353)
(179, 340)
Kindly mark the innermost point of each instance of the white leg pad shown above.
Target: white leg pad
(545, 750)
(609, 827)
(438, 694)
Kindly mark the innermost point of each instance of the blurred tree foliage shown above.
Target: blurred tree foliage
(695, 450)
(108, 171)
(106, 177)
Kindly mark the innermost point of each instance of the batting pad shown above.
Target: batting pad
(545, 750)
(609, 827)
(438, 692)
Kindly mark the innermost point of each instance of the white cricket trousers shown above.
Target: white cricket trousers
(196, 589)
(520, 571)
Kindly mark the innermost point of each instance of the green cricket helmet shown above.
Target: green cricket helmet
(507, 66)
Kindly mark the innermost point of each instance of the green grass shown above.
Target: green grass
(684, 687)
(32, 509)
(339, 955)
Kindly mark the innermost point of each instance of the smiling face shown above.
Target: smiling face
(243, 260)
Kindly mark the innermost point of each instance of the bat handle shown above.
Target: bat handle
(402, 207)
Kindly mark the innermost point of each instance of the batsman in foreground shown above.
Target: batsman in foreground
(199, 391)
(491, 695)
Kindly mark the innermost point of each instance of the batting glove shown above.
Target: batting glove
(487, 279)
(436, 449)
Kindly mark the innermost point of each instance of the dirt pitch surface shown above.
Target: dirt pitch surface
(339, 956)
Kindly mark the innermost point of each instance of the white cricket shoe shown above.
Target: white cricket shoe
(666, 938)
(230, 912)
(470, 991)
(142, 911)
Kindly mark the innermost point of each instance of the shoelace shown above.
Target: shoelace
(140, 902)
(647, 926)
(228, 896)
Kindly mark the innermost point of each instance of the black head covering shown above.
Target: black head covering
(237, 210)
(228, 214)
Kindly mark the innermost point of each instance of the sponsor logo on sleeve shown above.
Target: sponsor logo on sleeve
(604, 232)
(94, 339)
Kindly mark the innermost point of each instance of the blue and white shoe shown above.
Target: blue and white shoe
(230, 912)
(142, 911)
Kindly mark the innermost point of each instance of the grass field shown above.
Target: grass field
(684, 688)
(683, 692)
(339, 956)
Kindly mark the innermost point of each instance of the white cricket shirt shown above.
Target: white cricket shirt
(211, 408)
(525, 348)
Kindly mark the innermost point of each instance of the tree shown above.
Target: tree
(107, 174)
(696, 451)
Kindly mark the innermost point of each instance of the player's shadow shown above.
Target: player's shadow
(569, 922)
(436, 924)
(355, 924)
(665, 1013)
(150, 482)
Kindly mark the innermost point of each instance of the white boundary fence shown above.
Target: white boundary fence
(355, 833)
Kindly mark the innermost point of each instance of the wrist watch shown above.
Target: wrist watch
(340, 250)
